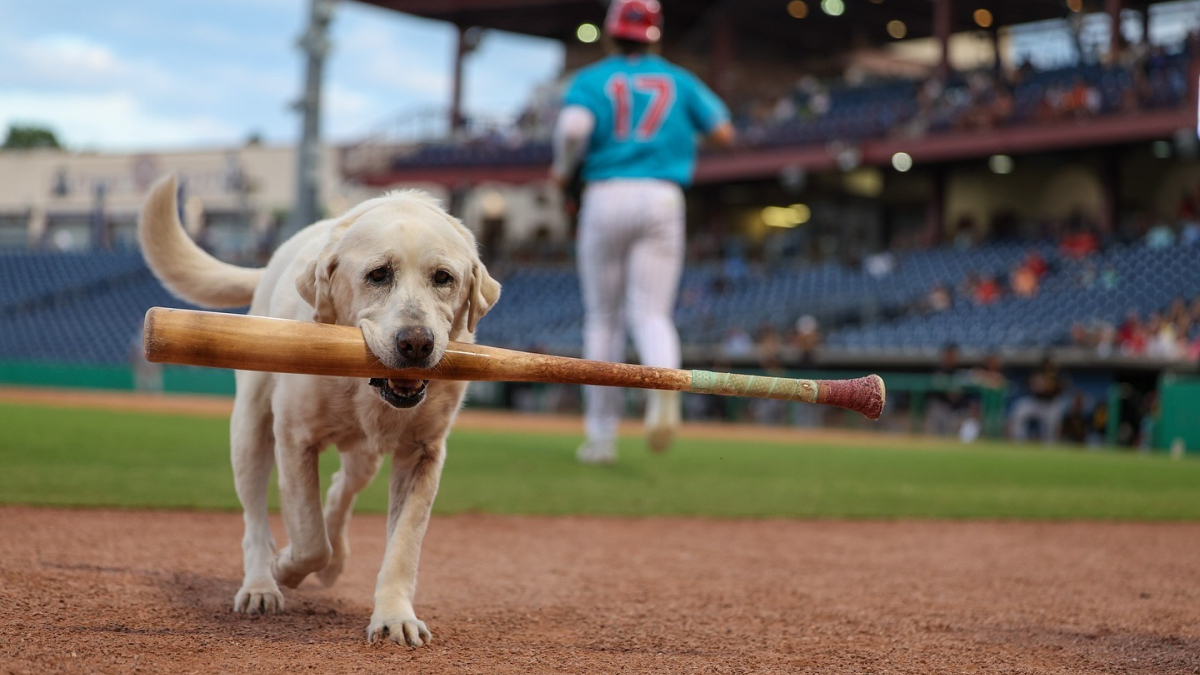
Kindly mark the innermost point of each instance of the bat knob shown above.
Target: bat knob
(866, 395)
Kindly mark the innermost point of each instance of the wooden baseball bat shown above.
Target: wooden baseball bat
(243, 342)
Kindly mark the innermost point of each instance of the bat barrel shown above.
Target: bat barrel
(278, 345)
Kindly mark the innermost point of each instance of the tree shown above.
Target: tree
(24, 137)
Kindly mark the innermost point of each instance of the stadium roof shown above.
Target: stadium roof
(755, 22)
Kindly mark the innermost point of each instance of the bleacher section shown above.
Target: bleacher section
(75, 307)
(877, 110)
(87, 308)
(1146, 280)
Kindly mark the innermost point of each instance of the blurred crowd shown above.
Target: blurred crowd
(771, 349)
(1171, 334)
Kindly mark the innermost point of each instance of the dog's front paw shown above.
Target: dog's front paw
(261, 597)
(403, 630)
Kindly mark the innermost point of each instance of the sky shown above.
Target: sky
(126, 75)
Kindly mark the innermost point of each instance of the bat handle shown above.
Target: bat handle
(864, 395)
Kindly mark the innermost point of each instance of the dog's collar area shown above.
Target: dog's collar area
(400, 393)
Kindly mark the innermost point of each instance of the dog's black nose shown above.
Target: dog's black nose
(415, 343)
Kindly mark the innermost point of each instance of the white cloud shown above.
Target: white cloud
(64, 60)
(127, 74)
(380, 53)
(112, 121)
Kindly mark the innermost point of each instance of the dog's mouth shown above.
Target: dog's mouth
(400, 393)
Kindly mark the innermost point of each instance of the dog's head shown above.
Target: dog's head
(408, 274)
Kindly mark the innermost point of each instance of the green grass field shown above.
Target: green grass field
(54, 456)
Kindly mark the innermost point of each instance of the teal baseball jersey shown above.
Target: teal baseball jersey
(648, 113)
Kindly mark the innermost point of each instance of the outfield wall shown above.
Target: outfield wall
(171, 379)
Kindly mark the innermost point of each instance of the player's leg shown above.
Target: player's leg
(655, 266)
(601, 255)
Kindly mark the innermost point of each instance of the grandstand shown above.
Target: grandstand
(920, 187)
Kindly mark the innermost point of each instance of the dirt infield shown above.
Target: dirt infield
(116, 592)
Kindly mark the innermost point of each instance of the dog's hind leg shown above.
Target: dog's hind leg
(297, 448)
(359, 466)
(252, 449)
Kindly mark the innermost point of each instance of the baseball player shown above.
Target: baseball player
(629, 125)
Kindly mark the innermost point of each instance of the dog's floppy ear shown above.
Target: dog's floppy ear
(315, 283)
(485, 291)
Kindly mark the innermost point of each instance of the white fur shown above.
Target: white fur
(286, 420)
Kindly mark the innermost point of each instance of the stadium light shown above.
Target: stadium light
(902, 161)
(786, 216)
(897, 29)
(587, 33)
(802, 213)
(798, 9)
(833, 7)
(983, 18)
(1001, 164)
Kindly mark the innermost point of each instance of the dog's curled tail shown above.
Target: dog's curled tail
(183, 267)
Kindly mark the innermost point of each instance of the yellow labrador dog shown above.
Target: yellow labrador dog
(406, 273)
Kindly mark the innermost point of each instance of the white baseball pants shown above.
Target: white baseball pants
(630, 252)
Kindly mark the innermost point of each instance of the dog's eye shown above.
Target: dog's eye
(442, 278)
(380, 275)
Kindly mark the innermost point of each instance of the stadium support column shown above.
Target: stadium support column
(943, 24)
(315, 45)
(460, 51)
(1113, 9)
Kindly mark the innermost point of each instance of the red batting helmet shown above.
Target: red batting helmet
(634, 20)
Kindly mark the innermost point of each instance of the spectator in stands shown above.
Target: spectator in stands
(1043, 403)
(939, 299)
(1024, 281)
(1080, 241)
(1192, 353)
(1189, 232)
(988, 290)
(1160, 236)
(947, 401)
(1036, 262)
(1087, 275)
(737, 344)
(880, 265)
(806, 338)
(1106, 339)
(1109, 279)
(1131, 336)
(969, 285)
(769, 347)
(1081, 337)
